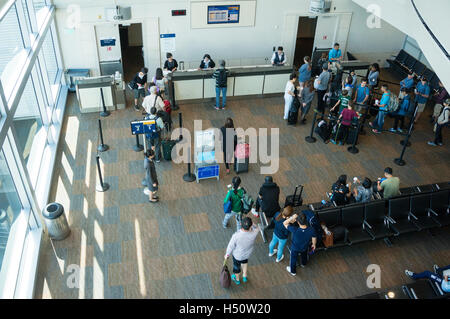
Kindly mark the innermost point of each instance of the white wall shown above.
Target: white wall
(275, 24)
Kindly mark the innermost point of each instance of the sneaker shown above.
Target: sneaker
(435, 268)
(136, 107)
(333, 141)
(146, 191)
(399, 130)
(303, 266)
(432, 143)
(409, 273)
(376, 131)
(158, 161)
(278, 260)
(233, 277)
(273, 253)
(244, 279)
(289, 271)
(216, 107)
(393, 130)
(370, 124)
(223, 107)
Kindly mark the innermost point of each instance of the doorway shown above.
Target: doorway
(304, 45)
(131, 45)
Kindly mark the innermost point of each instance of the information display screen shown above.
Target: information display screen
(223, 14)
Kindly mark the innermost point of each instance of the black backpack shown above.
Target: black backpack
(222, 79)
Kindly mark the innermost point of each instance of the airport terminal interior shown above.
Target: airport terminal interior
(121, 176)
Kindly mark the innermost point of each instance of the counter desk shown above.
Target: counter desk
(251, 80)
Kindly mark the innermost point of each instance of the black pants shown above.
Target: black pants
(320, 103)
(438, 134)
(401, 119)
(343, 133)
(258, 207)
(237, 265)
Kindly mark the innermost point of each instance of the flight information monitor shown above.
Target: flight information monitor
(223, 14)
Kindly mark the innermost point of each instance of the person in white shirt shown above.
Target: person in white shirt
(279, 58)
(149, 101)
(289, 94)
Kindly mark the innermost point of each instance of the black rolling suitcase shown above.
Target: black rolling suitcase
(323, 129)
(292, 118)
(296, 199)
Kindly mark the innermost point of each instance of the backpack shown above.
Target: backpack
(393, 104)
(247, 203)
(222, 79)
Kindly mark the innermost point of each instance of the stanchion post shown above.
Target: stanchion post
(353, 149)
(189, 177)
(105, 112)
(138, 147)
(311, 138)
(400, 161)
(180, 120)
(102, 147)
(102, 187)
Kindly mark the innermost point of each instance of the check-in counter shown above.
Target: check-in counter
(251, 80)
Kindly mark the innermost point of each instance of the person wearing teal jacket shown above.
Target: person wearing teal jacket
(235, 194)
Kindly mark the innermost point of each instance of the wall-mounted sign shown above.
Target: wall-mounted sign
(108, 42)
(167, 42)
(223, 14)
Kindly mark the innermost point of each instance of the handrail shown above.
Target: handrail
(429, 31)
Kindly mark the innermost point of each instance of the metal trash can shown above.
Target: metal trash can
(56, 221)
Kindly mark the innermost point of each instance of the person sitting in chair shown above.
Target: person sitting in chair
(440, 276)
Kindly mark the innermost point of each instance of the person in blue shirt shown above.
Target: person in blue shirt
(422, 94)
(280, 234)
(301, 237)
(304, 73)
(373, 75)
(408, 82)
(377, 125)
(362, 95)
(335, 54)
(403, 110)
(437, 276)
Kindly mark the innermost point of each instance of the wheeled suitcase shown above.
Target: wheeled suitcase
(292, 118)
(241, 160)
(323, 129)
(167, 146)
(295, 200)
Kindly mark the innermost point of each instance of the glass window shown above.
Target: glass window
(12, 52)
(41, 9)
(10, 206)
(51, 63)
(30, 133)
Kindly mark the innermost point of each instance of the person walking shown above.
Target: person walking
(234, 195)
(151, 178)
(301, 238)
(228, 147)
(289, 94)
(154, 139)
(268, 199)
(240, 249)
(442, 121)
(140, 81)
(221, 76)
(307, 96)
(280, 234)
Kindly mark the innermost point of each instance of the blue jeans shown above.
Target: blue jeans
(436, 277)
(228, 216)
(224, 96)
(379, 121)
(281, 243)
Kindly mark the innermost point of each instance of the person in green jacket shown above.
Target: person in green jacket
(235, 194)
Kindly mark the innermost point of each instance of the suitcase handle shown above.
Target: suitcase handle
(301, 190)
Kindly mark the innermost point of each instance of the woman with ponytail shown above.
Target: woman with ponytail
(235, 194)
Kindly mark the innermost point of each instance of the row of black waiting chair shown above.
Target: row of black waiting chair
(422, 207)
(404, 63)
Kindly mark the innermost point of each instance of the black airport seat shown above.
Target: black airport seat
(421, 289)
(419, 68)
(420, 206)
(401, 57)
(441, 186)
(376, 221)
(425, 188)
(410, 62)
(331, 218)
(353, 221)
(438, 289)
(374, 295)
(399, 215)
(407, 190)
(439, 207)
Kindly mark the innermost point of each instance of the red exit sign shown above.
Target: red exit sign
(176, 13)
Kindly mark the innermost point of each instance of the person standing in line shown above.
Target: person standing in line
(280, 233)
(343, 102)
(151, 178)
(289, 94)
(442, 121)
(422, 94)
(268, 199)
(439, 98)
(345, 119)
(307, 97)
(228, 134)
(304, 73)
(235, 195)
(159, 81)
(335, 54)
(153, 100)
(408, 82)
(221, 76)
(155, 140)
(207, 63)
(278, 58)
(361, 96)
(322, 87)
(170, 64)
(404, 110)
(301, 237)
(390, 185)
(374, 74)
(377, 124)
(240, 249)
(140, 80)
(347, 84)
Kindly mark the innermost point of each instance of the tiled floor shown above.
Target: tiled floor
(124, 247)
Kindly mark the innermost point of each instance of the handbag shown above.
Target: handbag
(225, 278)
(132, 85)
(328, 240)
(227, 206)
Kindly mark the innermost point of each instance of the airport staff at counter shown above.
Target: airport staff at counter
(279, 58)
(207, 63)
(170, 64)
(335, 54)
